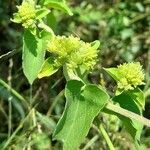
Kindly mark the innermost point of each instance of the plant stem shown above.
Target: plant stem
(9, 54)
(57, 98)
(10, 98)
(30, 105)
(16, 131)
(91, 142)
(126, 113)
(13, 92)
(9, 117)
(113, 107)
(32, 117)
(45, 27)
(105, 135)
(30, 97)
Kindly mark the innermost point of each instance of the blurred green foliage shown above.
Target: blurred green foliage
(10, 34)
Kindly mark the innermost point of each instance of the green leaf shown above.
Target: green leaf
(138, 96)
(126, 101)
(16, 18)
(58, 4)
(48, 68)
(113, 72)
(44, 37)
(33, 54)
(84, 102)
(95, 44)
(42, 13)
(51, 21)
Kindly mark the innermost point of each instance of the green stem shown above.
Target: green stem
(57, 98)
(13, 92)
(127, 113)
(16, 131)
(91, 142)
(105, 135)
(10, 98)
(32, 117)
(30, 97)
(9, 116)
(111, 106)
(46, 28)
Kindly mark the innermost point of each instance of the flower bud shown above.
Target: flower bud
(27, 14)
(132, 75)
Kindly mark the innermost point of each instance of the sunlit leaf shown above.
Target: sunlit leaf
(58, 4)
(33, 54)
(48, 68)
(82, 106)
(113, 72)
(95, 44)
(42, 13)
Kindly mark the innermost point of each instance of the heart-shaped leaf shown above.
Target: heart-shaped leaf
(84, 102)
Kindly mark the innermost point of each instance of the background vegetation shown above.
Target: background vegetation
(123, 27)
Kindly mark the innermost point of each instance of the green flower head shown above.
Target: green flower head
(26, 14)
(63, 46)
(131, 75)
(29, 14)
(73, 52)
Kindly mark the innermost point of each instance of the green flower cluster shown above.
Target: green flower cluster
(131, 75)
(27, 13)
(73, 52)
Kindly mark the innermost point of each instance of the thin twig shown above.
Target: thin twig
(10, 98)
(32, 117)
(16, 131)
(101, 130)
(57, 98)
(13, 92)
(9, 54)
(139, 17)
(91, 142)
(105, 135)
